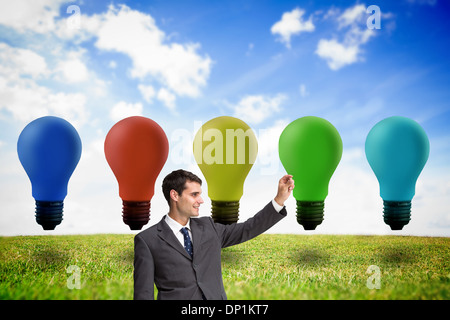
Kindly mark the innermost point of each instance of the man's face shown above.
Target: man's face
(190, 200)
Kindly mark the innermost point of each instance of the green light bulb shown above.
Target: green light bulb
(310, 149)
(225, 149)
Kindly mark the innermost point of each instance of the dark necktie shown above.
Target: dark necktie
(187, 240)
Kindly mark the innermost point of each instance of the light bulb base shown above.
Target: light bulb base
(225, 212)
(310, 213)
(397, 213)
(136, 214)
(49, 213)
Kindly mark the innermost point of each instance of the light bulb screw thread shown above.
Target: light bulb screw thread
(397, 213)
(310, 213)
(136, 214)
(225, 212)
(49, 213)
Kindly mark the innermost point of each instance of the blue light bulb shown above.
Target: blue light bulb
(49, 149)
(397, 149)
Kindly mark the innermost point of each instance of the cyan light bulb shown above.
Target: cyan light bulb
(49, 149)
(397, 149)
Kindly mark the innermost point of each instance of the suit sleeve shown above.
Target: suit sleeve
(144, 270)
(240, 232)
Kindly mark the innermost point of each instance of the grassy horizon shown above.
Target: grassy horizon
(271, 266)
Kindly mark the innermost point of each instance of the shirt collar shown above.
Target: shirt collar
(175, 226)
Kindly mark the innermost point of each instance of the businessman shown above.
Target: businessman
(182, 256)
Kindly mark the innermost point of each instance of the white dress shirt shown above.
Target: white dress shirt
(176, 227)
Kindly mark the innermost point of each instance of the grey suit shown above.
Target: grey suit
(159, 258)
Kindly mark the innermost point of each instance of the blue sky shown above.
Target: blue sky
(268, 63)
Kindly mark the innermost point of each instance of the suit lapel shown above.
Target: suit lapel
(197, 231)
(166, 234)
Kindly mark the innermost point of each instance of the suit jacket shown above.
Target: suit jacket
(159, 258)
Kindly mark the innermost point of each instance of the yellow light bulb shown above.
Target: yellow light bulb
(225, 149)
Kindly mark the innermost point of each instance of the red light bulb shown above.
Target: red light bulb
(136, 149)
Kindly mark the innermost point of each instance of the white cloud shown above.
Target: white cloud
(338, 54)
(148, 92)
(352, 15)
(292, 23)
(268, 161)
(15, 62)
(27, 101)
(19, 62)
(303, 91)
(24, 98)
(77, 27)
(23, 15)
(70, 106)
(167, 98)
(250, 48)
(256, 108)
(112, 64)
(331, 13)
(123, 110)
(72, 68)
(178, 67)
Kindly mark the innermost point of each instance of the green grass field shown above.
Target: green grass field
(268, 267)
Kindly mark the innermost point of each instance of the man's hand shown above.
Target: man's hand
(285, 186)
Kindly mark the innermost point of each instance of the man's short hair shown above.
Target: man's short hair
(176, 180)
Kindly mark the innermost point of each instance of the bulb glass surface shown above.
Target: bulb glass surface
(136, 149)
(225, 149)
(49, 149)
(310, 149)
(397, 149)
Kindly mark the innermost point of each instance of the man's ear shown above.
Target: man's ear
(174, 195)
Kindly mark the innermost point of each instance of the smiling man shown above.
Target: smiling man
(182, 256)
